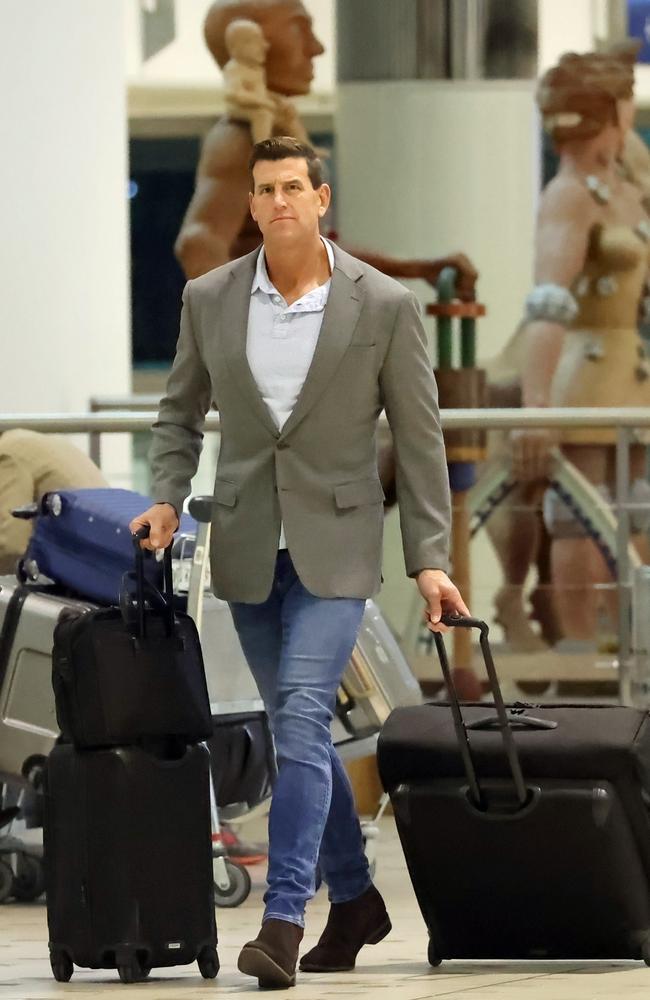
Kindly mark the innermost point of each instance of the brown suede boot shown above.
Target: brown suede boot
(272, 956)
(350, 925)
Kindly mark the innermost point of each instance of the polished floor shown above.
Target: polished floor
(396, 969)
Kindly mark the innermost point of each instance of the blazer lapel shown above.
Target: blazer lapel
(339, 321)
(235, 303)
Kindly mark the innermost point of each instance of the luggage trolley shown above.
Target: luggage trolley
(30, 607)
(377, 679)
(28, 727)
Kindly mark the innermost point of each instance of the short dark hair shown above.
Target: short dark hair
(281, 147)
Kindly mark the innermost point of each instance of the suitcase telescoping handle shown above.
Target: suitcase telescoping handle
(459, 621)
(142, 584)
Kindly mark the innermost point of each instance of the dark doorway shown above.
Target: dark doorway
(161, 186)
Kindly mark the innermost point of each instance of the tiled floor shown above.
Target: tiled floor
(396, 969)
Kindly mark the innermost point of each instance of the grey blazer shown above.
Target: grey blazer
(319, 474)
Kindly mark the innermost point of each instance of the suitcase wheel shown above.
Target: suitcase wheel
(645, 952)
(6, 881)
(27, 571)
(208, 962)
(62, 967)
(433, 959)
(133, 970)
(239, 885)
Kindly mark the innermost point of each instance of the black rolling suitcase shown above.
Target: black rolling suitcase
(538, 852)
(127, 831)
(129, 861)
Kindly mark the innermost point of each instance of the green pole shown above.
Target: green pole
(446, 287)
(468, 342)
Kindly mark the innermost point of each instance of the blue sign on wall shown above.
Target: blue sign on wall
(639, 26)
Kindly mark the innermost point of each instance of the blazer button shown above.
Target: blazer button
(281, 445)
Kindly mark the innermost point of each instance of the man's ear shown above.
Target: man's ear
(250, 204)
(325, 196)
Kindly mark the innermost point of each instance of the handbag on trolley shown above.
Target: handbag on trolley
(123, 675)
(525, 828)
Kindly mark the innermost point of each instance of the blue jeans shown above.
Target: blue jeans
(297, 647)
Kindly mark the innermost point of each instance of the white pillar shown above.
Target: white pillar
(427, 167)
(64, 311)
(565, 27)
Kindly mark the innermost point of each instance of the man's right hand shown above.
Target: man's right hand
(163, 522)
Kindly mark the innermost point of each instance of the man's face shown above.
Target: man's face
(292, 48)
(284, 204)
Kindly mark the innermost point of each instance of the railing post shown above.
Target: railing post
(95, 440)
(95, 447)
(624, 583)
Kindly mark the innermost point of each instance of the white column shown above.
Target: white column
(64, 311)
(429, 167)
(565, 27)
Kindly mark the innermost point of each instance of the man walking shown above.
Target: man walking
(301, 346)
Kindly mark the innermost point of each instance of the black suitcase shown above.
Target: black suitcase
(128, 858)
(123, 675)
(553, 865)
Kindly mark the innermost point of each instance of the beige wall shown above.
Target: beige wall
(64, 311)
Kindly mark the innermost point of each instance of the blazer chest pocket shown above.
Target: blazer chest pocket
(225, 493)
(365, 491)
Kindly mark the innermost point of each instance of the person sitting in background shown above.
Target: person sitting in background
(31, 464)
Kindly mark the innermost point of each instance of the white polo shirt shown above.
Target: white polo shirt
(281, 341)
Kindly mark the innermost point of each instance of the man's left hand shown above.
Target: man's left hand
(441, 596)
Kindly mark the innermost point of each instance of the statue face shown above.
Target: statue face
(249, 47)
(292, 48)
(284, 203)
(626, 111)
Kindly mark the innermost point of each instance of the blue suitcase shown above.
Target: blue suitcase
(81, 540)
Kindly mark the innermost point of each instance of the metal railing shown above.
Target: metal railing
(125, 414)
(121, 418)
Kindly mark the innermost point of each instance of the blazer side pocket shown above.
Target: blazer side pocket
(225, 492)
(356, 494)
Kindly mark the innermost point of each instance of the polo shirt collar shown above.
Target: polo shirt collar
(261, 278)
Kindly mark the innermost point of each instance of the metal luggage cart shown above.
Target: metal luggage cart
(22, 875)
(376, 680)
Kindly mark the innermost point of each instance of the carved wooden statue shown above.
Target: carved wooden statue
(579, 344)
